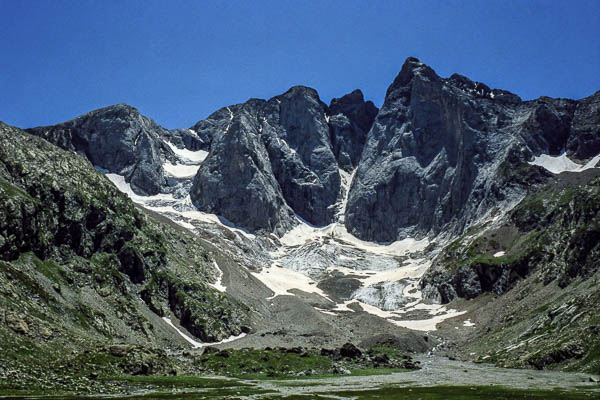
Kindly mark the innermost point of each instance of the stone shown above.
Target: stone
(349, 350)
(17, 323)
(119, 350)
(381, 358)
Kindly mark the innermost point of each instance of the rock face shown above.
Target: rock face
(440, 153)
(554, 231)
(236, 180)
(296, 135)
(269, 160)
(117, 139)
(584, 138)
(350, 120)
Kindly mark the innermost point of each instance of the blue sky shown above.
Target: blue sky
(179, 61)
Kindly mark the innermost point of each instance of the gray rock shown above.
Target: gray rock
(296, 135)
(236, 180)
(350, 120)
(584, 138)
(188, 139)
(17, 323)
(442, 153)
(117, 139)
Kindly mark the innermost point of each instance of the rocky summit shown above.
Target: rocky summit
(287, 237)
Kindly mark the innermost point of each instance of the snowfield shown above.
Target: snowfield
(181, 170)
(388, 274)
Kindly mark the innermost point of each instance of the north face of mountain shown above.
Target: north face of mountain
(117, 139)
(236, 180)
(436, 156)
(269, 160)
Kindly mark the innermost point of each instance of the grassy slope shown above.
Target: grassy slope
(547, 279)
(81, 267)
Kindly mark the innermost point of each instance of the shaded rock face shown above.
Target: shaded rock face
(236, 180)
(269, 160)
(118, 139)
(440, 154)
(350, 120)
(188, 139)
(584, 138)
(296, 135)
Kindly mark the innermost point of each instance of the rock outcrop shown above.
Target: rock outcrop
(236, 180)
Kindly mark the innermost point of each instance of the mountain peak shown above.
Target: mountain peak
(413, 68)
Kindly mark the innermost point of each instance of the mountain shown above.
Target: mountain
(286, 141)
(439, 155)
(456, 218)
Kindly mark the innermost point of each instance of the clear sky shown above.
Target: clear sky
(178, 61)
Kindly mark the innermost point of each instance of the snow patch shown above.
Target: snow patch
(188, 155)
(181, 170)
(304, 232)
(200, 344)
(125, 187)
(499, 254)
(219, 284)
(468, 323)
(281, 280)
(184, 206)
(425, 325)
(414, 270)
(562, 163)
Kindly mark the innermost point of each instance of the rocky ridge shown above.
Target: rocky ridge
(435, 158)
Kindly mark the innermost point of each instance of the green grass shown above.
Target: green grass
(260, 364)
(461, 393)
